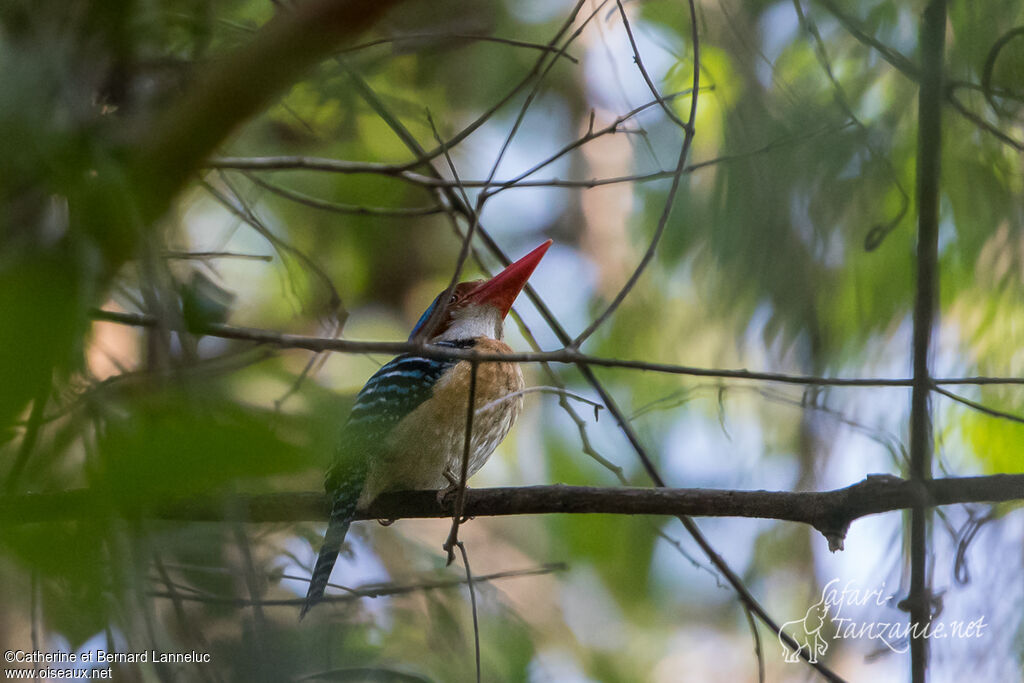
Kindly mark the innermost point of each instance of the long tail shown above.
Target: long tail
(342, 514)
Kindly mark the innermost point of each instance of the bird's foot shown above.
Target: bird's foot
(446, 497)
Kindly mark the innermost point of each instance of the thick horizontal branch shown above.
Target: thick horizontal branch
(564, 355)
(831, 512)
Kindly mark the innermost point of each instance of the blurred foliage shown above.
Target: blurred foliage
(790, 249)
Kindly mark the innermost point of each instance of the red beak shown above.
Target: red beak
(502, 289)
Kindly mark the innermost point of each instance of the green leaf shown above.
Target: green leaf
(178, 445)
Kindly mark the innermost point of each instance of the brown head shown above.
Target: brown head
(478, 308)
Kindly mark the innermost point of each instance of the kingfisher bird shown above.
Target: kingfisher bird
(407, 428)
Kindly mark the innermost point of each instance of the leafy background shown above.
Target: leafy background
(790, 249)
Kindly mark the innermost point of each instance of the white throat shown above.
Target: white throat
(473, 321)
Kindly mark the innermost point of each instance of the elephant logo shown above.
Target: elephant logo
(807, 634)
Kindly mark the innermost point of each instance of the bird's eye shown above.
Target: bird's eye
(452, 299)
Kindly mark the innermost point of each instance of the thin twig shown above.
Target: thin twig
(591, 134)
(472, 601)
(423, 158)
(758, 651)
(447, 38)
(467, 452)
(558, 391)
(981, 123)
(28, 440)
(521, 115)
(427, 331)
(346, 209)
(375, 590)
(314, 364)
(534, 73)
(990, 65)
(260, 641)
(305, 163)
(181, 615)
(564, 355)
(283, 248)
(647, 77)
(912, 71)
(891, 55)
(688, 135)
(979, 406)
(879, 232)
(208, 255)
(651, 247)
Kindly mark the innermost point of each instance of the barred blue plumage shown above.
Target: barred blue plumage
(399, 386)
(407, 426)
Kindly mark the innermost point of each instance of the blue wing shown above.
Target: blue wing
(394, 391)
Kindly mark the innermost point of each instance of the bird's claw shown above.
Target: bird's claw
(446, 497)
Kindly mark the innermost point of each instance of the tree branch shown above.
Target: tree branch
(831, 512)
(920, 602)
(243, 84)
(564, 355)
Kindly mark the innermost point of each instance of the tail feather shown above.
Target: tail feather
(342, 514)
